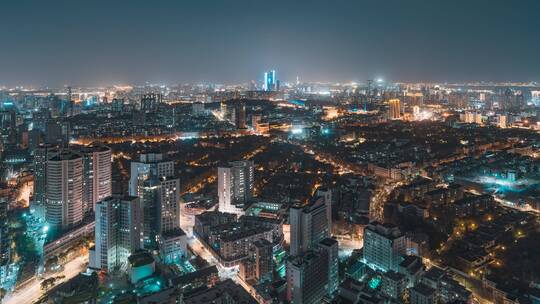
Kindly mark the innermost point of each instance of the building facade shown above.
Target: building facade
(64, 208)
(118, 232)
(235, 186)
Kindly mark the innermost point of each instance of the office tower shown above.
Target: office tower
(41, 154)
(330, 248)
(152, 180)
(150, 198)
(235, 186)
(384, 245)
(40, 119)
(5, 239)
(150, 102)
(97, 175)
(310, 224)
(264, 260)
(307, 277)
(118, 232)
(150, 165)
(270, 81)
(64, 208)
(394, 109)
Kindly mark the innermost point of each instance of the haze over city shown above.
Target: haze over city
(55, 43)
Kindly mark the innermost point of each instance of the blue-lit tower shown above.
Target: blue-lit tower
(270, 81)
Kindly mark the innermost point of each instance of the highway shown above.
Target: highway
(32, 291)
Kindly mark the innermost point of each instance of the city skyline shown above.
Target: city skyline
(276, 152)
(61, 43)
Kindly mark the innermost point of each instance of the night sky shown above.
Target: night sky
(112, 42)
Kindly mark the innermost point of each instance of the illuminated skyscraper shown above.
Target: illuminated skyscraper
(149, 165)
(309, 225)
(152, 180)
(270, 81)
(384, 244)
(118, 232)
(330, 248)
(64, 208)
(41, 154)
(97, 175)
(235, 186)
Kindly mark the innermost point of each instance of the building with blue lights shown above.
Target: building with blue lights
(270, 81)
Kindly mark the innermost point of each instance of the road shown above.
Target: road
(32, 291)
(199, 249)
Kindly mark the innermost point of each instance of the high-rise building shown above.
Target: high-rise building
(64, 207)
(150, 165)
(330, 247)
(235, 186)
(97, 181)
(150, 198)
(270, 81)
(40, 118)
(384, 245)
(240, 114)
(307, 278)
(150, 102)
(41, 154)
(118, 232)
(394, 109)
(169, 205)
(310, 224)
(152, 180)
(5, 239)
(264, 260)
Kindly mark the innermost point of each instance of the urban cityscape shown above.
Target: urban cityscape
(281, 185)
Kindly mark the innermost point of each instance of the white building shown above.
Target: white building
(97, 175)
(384, 244)
(64, 207)
(235, 186)
(173, 246)
(149, 165)
(118, 232)
(169, 205)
